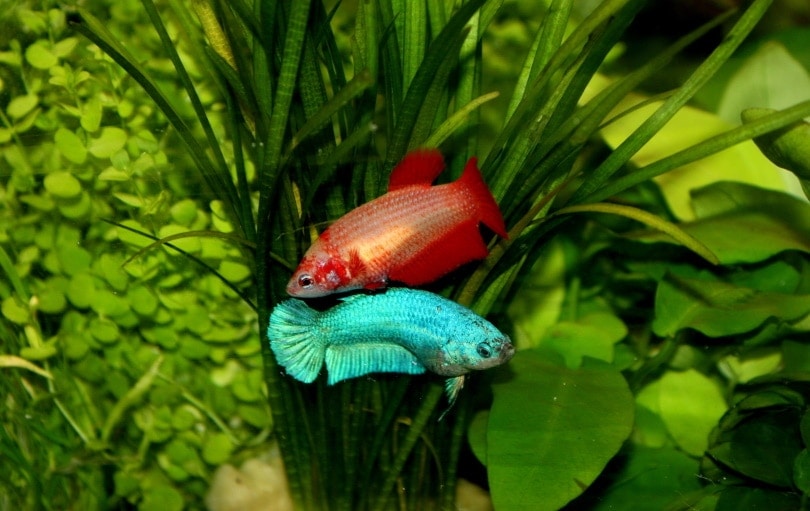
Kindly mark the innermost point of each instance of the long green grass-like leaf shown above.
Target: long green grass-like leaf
(547, 40)
(436, 56)
(705, 148)
(426, 407)
(622, 154)
(533, 113)
(648, 219)
(414, 42)
(13, 276)
(356, 86)
(221, 169)
(458, 119)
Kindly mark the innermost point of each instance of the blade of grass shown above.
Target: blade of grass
(648, 219)
(231, 198)
(622, 154)
(437, 54)
(426, 407)
(708, 147)
(458, 119)
(356, 86)
(547, 40)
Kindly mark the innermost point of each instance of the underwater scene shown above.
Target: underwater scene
(403, 255)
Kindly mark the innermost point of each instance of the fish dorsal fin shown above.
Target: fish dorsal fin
(419, 167)
(350, 361)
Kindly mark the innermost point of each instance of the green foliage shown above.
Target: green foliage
(158, 189)
(122, 349)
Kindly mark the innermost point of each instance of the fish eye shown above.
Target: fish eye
(483, 350)
(304, 280)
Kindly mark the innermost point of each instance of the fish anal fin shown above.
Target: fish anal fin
(457, 246)
(487, 209)
(350, 361)
(419, 167)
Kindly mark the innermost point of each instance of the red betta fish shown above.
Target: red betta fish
(413, 234)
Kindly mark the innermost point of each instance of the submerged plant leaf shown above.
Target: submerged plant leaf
(552, 430)
(718, 309)
(648, 478)
(690, 404)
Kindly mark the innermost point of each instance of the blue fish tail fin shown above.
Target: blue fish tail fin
(295, 341)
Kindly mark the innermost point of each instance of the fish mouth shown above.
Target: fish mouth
(507, 350)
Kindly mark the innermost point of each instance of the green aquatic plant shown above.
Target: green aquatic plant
(142, 261)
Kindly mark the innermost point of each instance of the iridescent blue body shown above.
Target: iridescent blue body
(400, 331)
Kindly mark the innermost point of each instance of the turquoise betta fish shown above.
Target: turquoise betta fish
(398, 331)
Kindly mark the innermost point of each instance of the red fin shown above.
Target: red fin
(460, 245)
(487, 209)
(419, 167)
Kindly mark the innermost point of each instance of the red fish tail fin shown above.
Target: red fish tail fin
(487, 209)
(418, 167)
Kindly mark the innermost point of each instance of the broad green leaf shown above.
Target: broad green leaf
(552, 430)
(15, 310)
(746, 367)
(763, 447)
(718, 309)
(741, 163)
(801, 471)
(770, 78)
(690, 404)
(738, 498)
(593, 335)
(649, 479)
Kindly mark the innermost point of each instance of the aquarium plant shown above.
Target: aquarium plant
(166, 164)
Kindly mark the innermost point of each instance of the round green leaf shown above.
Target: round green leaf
(108, 303)
(552, 430)
(161, 498)
(801, 471)
(184, 212)
(40, 202)
(15, 310)
(234, 271)
(76, 208)
(62, 185)
(104, 330)
(217, 449)
(75, 346)
(111, 140)
(81, 290)
(73, 259)
(690, 406)
(52, 300)
(70, 145)
(22, 105)
(142, 300)
(39, 56)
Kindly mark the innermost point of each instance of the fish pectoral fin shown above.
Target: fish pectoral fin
(344, 362)
(457, 246)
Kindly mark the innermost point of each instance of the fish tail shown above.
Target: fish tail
(488, 211)
(295, 341)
